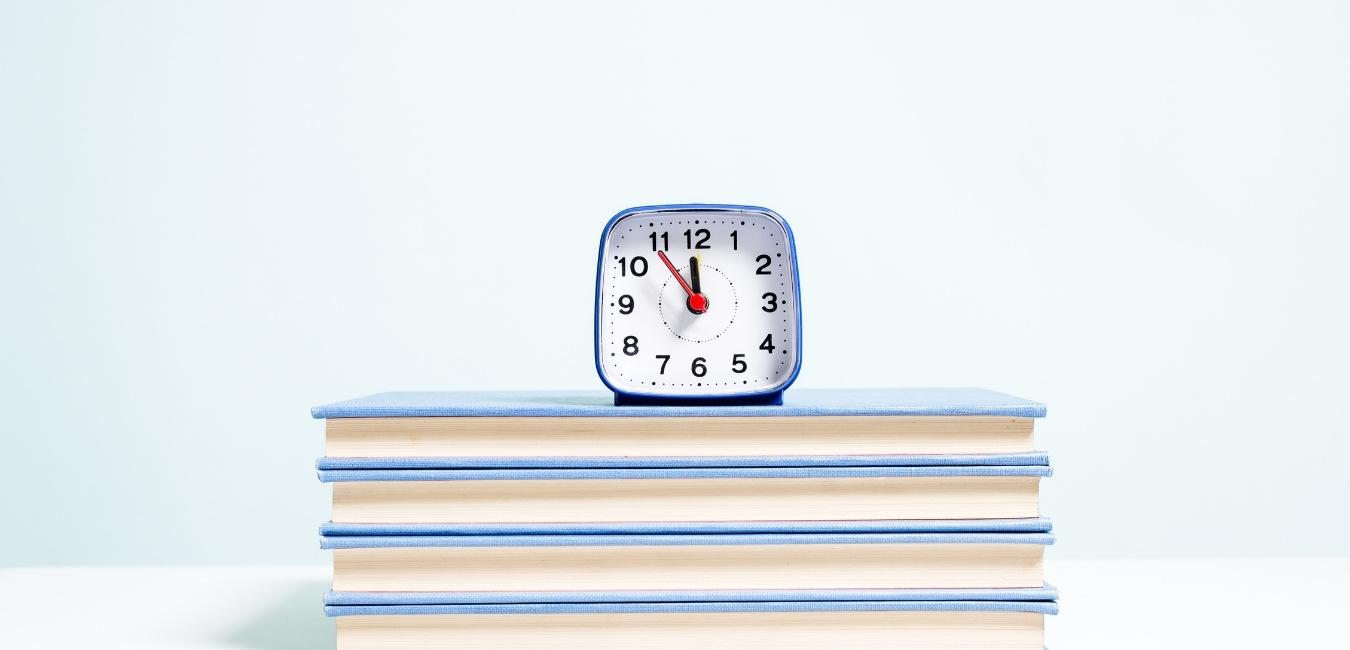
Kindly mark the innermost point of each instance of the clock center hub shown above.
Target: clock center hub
(691, 318)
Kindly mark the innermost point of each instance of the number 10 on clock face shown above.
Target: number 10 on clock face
(697, 303)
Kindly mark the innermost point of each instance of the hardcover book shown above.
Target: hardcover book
(1027, 525)
(1044, 593)
(684, 494)
(679, 562)
(827, 423)
(772, 625)
(671, 462)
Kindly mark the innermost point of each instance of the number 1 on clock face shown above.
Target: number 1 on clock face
(697, 303)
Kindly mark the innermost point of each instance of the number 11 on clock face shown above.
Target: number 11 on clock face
(697, 303)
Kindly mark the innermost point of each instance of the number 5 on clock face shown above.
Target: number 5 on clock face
(697, 304)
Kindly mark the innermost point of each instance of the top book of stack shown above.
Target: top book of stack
(584, 429)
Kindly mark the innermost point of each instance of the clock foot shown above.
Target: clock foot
(769, 399)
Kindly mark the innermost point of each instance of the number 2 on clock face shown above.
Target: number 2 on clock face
(697, 303)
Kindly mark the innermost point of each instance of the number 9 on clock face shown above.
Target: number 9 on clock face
(697, 303)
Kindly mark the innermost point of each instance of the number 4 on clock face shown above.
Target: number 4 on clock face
(697, 304)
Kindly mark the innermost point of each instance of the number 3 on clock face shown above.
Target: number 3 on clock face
(697, 304)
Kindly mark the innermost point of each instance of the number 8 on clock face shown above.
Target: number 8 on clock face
(697, 304)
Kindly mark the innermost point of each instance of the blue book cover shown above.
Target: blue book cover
(1043, 593)
(1031, 606)
(796, 403)
(1027, 525)
(750, 539)
(659, 462)
(330, 476)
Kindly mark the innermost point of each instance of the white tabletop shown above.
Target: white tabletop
(1263, 603)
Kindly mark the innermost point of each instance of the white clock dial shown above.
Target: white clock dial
(697, 303)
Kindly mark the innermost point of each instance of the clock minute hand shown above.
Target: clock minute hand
(696, 301)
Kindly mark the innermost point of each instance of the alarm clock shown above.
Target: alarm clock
(697, 304)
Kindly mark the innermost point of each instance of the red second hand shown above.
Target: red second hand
(698, 303)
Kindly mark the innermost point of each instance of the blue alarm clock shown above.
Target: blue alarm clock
(697, 304)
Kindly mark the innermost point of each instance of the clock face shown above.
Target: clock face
(697, 303)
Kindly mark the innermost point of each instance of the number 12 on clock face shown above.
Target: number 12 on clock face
(697, 304)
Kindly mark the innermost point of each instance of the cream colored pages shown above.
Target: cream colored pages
(733, 499)
(693, 567)
(708, 631)
(660, 436)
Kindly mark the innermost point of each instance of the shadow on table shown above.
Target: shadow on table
(294, 619)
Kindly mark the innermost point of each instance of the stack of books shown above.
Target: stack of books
(859, 518)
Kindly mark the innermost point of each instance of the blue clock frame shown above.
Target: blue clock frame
(773, 396)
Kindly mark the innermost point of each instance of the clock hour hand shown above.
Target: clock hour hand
(696, 301)
(702, 303)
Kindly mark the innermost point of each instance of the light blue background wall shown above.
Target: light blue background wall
(218, 215)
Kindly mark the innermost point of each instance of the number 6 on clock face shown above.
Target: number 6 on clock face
(697, 304)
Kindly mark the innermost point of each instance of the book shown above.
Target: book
(670, 462)
(1026, 525)
(810, 423)
(817, 623)
(674, 562)
(684, 494)
(331, 598)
